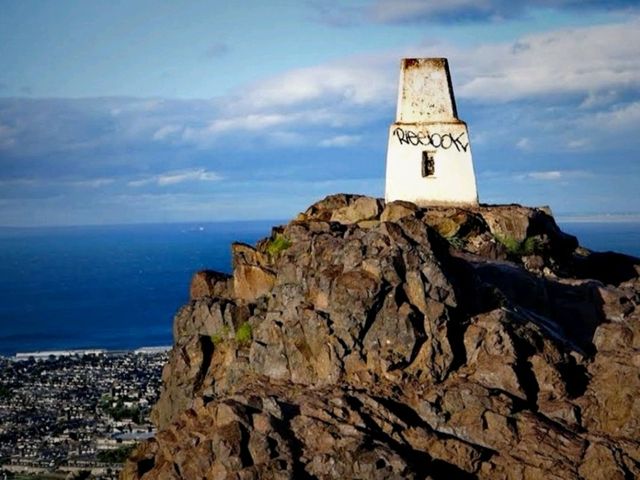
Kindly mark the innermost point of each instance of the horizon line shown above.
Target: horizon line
(562, 217)
(125, 224)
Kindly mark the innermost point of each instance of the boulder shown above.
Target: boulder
(363, 208)
(252, 277)
(252, 281)
(209, 283)
(394, 211)
(324, 209)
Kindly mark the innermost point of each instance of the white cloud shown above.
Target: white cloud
(414, 11)
(622, 117)
(166, 131)
(340, 141)
(539, 176)
(578, 144)
(615, 127)
(550, 175)
(356, 82)
(599, 99)
(254, 121)
(578, 61)
(172, 178)
(91, 182)
(553, 175)
(282, 138)
(206, 134)
(523, 144)
(269, 125)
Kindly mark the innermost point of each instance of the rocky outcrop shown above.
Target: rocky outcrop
(365, 340)
(208, 283)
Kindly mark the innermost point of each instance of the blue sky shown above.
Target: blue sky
(164, 111)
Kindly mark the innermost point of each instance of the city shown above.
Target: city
(75, 414)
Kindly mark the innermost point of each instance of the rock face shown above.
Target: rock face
(374, 341)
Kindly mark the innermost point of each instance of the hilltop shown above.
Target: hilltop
(365, 340)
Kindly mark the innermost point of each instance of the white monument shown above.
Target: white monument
(429, 155)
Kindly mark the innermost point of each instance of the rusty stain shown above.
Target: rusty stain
(411, 63)
(415, 63)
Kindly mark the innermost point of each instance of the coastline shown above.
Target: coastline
(81, 352)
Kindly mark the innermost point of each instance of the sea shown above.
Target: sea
(110, 287)
(118, 287)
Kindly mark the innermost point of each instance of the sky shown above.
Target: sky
(130, 111)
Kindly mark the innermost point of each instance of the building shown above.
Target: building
(429, 155)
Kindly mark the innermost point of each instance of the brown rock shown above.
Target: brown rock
(394, 211)
(209, 283)
(509, 223)
(363, 208)
(247, 255)
(323, 210)
(492, 353)
(600, 463)
(612, 405)
(252, 276)
(404, 344)
(252, 281)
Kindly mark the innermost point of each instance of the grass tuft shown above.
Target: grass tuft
(244, 334)
(277, 245)
(220, 336)
(456, 242)
(528, 246)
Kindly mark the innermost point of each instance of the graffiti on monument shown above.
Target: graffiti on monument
(435, 140)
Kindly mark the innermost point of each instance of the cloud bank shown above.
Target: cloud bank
(402, 12)
(559, 107)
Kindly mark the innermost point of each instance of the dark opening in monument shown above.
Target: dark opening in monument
(428, 165)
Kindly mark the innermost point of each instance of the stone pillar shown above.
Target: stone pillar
(429, 154)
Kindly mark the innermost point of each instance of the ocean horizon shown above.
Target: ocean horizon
(117, 287)
(112, 287)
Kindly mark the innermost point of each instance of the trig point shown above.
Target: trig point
(429, 155)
